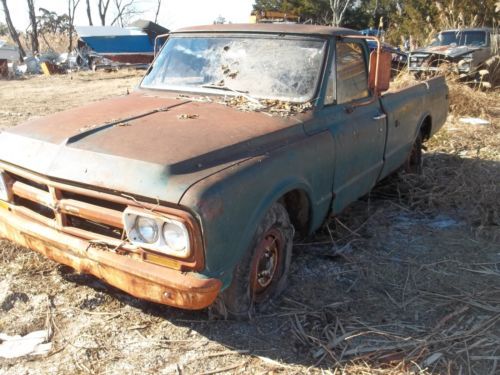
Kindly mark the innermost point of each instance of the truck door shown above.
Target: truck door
(357, 124)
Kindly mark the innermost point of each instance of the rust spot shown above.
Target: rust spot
(142, 280)
(211, 208)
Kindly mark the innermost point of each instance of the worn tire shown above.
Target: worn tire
(414, 162)
(244, 295)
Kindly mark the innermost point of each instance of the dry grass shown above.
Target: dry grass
(405, 281)
(465, 100)
(427, 301)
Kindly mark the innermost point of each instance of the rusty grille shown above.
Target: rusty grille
(83, 215)
(94, 215)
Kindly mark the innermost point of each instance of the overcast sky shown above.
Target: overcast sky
(173, 13)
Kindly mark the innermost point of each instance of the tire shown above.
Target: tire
(262, 273)
(414, 162)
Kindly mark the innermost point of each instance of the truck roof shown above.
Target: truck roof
(269, 28)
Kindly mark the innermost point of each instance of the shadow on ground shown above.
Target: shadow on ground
(407, 273)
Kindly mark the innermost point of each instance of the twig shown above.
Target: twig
(222, 369)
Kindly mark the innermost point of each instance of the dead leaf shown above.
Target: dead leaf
(186, 116)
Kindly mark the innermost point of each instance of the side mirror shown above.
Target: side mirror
(159, 42)
(380, 71)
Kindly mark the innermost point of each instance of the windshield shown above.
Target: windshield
(460, 38)
(262, 67)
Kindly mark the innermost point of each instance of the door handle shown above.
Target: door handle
(382, 116)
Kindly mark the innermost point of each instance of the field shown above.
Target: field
(406, 280)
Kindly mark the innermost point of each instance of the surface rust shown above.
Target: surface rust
(139, 279)
(268, 28)
(95, 212)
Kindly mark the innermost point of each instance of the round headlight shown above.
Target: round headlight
(175, 237)
(147, 229)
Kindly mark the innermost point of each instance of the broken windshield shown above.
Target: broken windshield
(460, 38)
(262, 67)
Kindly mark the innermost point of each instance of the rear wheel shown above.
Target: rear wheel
(414, 162)
(261, 274)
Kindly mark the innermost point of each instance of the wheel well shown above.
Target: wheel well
(297, 204)
(426, 128)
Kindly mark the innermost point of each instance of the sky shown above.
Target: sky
(173, 13)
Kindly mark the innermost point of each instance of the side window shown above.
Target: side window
(351, 81)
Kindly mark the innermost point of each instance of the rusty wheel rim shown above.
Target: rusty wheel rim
(265, 267)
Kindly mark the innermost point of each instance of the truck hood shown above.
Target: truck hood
(146, 145)
(448, 51)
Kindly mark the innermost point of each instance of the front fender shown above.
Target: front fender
(231, 203)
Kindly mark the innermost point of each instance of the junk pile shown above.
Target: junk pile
(48, 63)
(9, 55)
(98, 47)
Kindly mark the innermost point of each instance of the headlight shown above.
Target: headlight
(176, 236)
(158, 233)
(4, 193)
(147, 229)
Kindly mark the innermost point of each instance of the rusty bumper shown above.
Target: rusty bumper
(142, 280)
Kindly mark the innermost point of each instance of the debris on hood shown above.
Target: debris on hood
(34, 343)
(245, 103)
(284, 108)
(269, 106)
(186, 116)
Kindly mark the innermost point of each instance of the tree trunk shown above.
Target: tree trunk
(72, 5)
(12, 30)
(89, 13)
(35, 47)
(338, 8)
(102, 6)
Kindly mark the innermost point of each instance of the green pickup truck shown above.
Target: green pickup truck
(189, 191)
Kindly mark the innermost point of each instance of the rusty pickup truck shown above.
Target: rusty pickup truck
(189, 191)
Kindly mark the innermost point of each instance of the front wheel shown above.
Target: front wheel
(261, 274)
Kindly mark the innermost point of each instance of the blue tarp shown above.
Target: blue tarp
(120, 44)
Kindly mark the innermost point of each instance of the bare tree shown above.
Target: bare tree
(103, 6)
(338, 9)
(89, 13)
(12, 30)
(72, 5)
(35, 47)
(157, 11)
(125, 10)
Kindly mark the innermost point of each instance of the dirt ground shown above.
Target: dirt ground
(406, 280)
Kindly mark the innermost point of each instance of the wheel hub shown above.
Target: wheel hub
(266, 261)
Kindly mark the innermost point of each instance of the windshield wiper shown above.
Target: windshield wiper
(239, 92)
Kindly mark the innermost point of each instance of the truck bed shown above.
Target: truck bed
(408, 111)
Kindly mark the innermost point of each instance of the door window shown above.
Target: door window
(351, 79)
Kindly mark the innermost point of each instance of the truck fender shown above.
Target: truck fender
(426, 116)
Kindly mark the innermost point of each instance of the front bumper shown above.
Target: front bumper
(140, 279)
